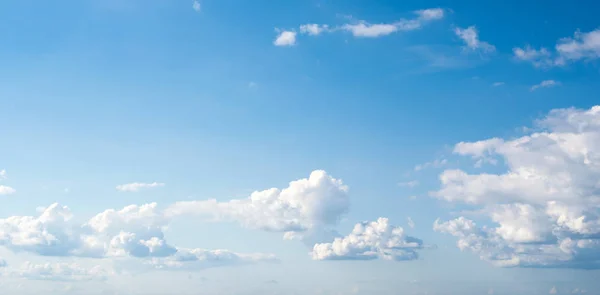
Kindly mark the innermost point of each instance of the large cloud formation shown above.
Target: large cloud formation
(370, 240)
(306, 206)
(134, 232)
(545, 209)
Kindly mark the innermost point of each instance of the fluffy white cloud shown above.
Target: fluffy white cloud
(285, 38)
(313, 29)
(59, 272)
(370, 240)
(582, 46)
(7, 190)
(470, 36)
(306, 205)
(545, 84)
(545, 209)
(134, 232)
(137, 186)
(365, 29)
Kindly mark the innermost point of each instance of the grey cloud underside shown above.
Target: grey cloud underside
(545, 209)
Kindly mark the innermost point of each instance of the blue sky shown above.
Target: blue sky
(422, 147)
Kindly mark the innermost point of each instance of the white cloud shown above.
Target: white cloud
(7, 190)
(2, 174)
(582, 46)
(313, 203)
(545, 84)
(411, 223)
(134, 232)
(545, 209)
(496, 84)
(412, 183)
(313, 29)
(285, 38)
(470, 36)
(196, 5)
(434, 164)
(370, 240)
(539, 58)
(137, 186)
(552, 291)
(365, 29)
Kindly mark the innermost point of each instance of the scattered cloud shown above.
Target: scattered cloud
(410, 222)
(363, 29)
(470, 36)
(552, 291)
(368, 241)
(285, 38)
(582, 46)
(545, 84)
(545, 209)
(314, 203)
(434, 164)
(137, 186)
(497, 84)
(412, 183)
(196, 6)
(2, 174)
(7, 190)
(313, 29)
(134, 233)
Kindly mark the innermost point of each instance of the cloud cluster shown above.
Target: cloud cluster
(582, 46)
(370, 240)
(134, 232)
(545, 209)
(362, 29)
(306, 205)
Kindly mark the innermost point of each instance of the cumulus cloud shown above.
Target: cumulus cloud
(306, 205)
(368, 241)
(134, 232)
(470, 36)
(544, 210)
(7, 190)
(285, 38)
(582, 46)
(313, 29)
(545, 84)
(137, 186)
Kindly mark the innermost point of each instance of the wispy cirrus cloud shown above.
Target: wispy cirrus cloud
(361, 28)
(137, 186)
(544, 84)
